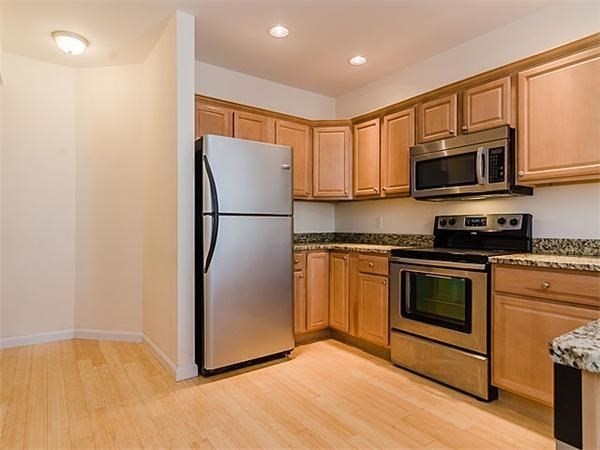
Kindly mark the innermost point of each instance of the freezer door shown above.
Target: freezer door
(250, 177)
(248, 304)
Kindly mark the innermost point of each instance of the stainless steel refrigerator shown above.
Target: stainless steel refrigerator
(244, 229)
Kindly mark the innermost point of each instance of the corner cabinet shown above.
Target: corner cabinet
(487, 105)
(397, 136)
(437, 119)
(559, 117)
(366, 161)
(297, 136)
(331, 162)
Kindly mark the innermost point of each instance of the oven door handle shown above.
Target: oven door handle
(440, 264)
(480, 165)
(430, 275)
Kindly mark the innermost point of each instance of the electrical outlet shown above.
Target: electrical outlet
(379, 223)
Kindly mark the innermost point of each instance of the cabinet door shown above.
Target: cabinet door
(521, 331)
(366, 159)
(213, 120)
(437, 119)
(487, 106)
(559, 113)
(317, 291)
(397, 136)
(331, 162)
(253, 127)
(297, 136)
(373, 322)
(338, 291)
(299, 302)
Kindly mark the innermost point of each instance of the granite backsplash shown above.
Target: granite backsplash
(574, 247)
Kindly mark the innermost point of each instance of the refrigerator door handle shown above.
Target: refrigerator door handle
(214, 198)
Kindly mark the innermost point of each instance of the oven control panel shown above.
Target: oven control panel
(480, 222)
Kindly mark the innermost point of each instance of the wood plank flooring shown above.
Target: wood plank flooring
(91, 394)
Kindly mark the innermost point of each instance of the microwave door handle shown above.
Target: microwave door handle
(479, 166)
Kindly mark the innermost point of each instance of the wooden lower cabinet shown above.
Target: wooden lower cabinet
(339, 312)
(373, 304)
(522, 327)
(299, 302)
(317, 291)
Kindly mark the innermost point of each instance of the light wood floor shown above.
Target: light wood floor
(103, 394)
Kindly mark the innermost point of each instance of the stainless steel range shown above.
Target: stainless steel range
(440, 298)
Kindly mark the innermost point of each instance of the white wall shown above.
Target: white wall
(167, 140)
(38, 198)
(241, 88)
(571, 211)
(542, 30)
(109, 199)
(226, 84)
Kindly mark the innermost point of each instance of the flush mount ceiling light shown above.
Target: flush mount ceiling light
(70, 43)
(357, 60)
(279, 31)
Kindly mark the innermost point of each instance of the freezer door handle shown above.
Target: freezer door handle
(214, 214)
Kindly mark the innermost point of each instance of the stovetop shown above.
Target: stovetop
(467, 255)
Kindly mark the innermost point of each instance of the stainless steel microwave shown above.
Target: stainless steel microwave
(476, 165)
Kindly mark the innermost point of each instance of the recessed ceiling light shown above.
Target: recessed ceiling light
(70, 43)
(357, 60)
(279, 31)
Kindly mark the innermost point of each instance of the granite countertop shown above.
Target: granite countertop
(589, 263)
(366, 248)
(579, 348)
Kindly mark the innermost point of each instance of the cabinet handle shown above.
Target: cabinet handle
(545, 285)
(371, 264)
(521, 173)
(465, 128)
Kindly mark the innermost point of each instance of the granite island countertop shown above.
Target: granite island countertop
(579, 348)
(589, 263)
(348, 247)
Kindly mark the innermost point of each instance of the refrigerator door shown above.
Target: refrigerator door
(250, 177)
(248, 304)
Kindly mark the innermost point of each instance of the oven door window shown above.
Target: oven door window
(438, 300)
(457, 170)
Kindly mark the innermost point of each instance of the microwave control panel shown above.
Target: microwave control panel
(496, 169)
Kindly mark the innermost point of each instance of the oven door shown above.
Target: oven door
(448, 305)
(459, 171)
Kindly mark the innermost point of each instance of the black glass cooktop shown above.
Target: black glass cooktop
(449, 254)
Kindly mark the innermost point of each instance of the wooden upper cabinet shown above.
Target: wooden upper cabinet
(487, 106)
(559, 117)
(397, 136)
(339, 284)
(373, 315)
(297, 136)
(253, 127)
(212, 119)
(437, 118)
(331, 162)
(317, 291)
(366, 180)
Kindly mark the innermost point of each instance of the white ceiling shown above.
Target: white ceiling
(233, 34)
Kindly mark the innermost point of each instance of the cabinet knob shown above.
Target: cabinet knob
(301, 275)
(371, 264)
(545, 285)
(465, 128)
(345, 257)
(521, 173)
(296, 261)
(346, 192)
(384, 189)
(376, 190)
(384, 282)
(451, 131)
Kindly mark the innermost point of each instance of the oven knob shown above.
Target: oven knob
(452, 221)
(514, 222)
(443, 222)
(501, 220)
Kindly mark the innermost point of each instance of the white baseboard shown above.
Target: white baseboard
(39, 338)
(102, 335)
(179, 372)
(53, 336)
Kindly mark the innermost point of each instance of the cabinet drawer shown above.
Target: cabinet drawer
(299, 261)
(377, 265)
(561, 285)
